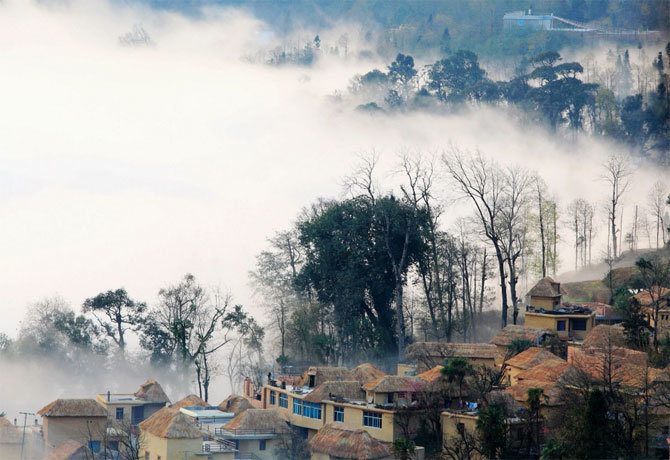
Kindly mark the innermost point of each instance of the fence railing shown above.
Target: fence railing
(225, 432)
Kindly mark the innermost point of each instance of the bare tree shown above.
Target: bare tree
(657, 202)
(616, 173)
(481, 181)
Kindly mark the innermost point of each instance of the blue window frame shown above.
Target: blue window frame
(372, 419)
(119, 413)
(94, 446)
(272, 397)
(113, 445)
(311, 410)
(297, 406)
(338, 415)
(560, 325)
(283, 400)
(261, 444)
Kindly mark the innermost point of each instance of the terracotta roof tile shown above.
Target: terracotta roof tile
(532, 357)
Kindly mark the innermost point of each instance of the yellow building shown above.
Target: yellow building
(351, 403)
(257, 433)
(545, 311)
(81, 420)
(170, 434)
(422, 356)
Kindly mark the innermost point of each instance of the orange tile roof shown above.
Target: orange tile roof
(531, 358)
(549, 370)
(433, 374)
(550, 391)
(604, 335)
(624, 366)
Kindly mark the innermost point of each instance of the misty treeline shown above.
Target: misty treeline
(621, 103)
(430, 26)
(359, 277)
(186, 331)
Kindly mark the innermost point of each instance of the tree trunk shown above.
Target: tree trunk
(542, 239)
(503, 284)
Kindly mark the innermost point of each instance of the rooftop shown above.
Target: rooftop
(253, 422)
(171, 423)
(337, 390)
(237, 403)
(152, 391)
(604, 335)
(532, 357)
(443, 350)
(546, 287)
(341, 442)
(323, 374)
(190, 401)
(394, 384)
(515, 332)
(647, 298)
(73, 408)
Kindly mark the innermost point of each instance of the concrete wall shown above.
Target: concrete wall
(171, 449)
(548, 303)
(57, 430)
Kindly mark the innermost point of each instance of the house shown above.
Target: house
(647, 300)
(256, 433)
(129, 409)
(169, 434)
(337, 442)
(544, 310)
(527, 359)
(342, 400)
(10, 440)
(513, 332)
(390, 390)
(81, 420)
(236, 404)
(422, 356)
(547, 375)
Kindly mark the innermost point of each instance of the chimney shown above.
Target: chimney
(108, 396)
(15, 422)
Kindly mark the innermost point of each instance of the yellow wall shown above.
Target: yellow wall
(253, 446)
(169, 449)
(406, 369)
(548, 303)
(353, 418)
(10, 451)
(294, 419)
(548, 321)
(510, 374)
(57, 430)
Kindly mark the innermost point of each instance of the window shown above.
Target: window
(94, 446)
(272, 398)
(283, 400)
(579, 324)
(146, 455)
(460, 427)
(261, 444)
(338, 415)
(373, 419)
(119, 413)
(113, 445)
(311, 381)
(158, 457)
(389, 398)
(297, 406)
(560, 325)
(311, 410)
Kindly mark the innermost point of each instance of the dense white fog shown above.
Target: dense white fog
(131, 166)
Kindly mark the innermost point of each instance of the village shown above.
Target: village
(328, 413)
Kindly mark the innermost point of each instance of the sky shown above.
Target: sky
(132, 166)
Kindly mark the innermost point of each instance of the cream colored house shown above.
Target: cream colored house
(256, 433)
(170, 434)
(129, 409)
(81, 420)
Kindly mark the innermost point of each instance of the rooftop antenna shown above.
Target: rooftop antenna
(23, 440)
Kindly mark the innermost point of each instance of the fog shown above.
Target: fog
(130, 166)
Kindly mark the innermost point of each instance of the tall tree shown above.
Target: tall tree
(656, 199)
(116, 313)
(616, 173)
